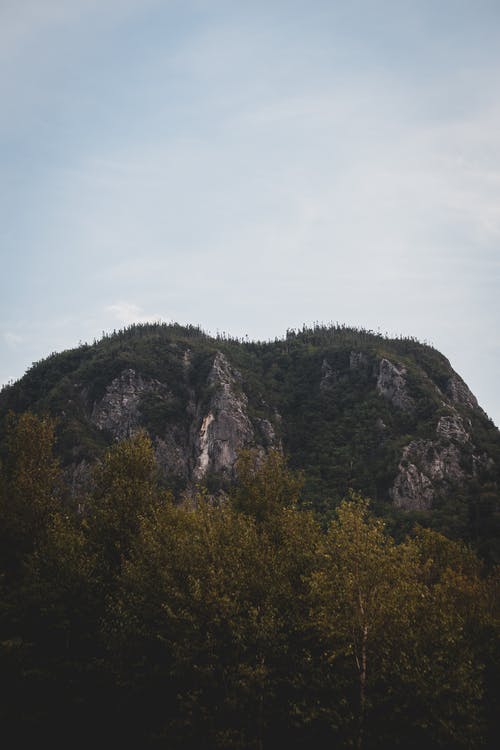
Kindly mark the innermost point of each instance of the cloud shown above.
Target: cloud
(12, 339)
(22, 21)
(127, 313)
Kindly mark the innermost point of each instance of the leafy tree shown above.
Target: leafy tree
(31, 486)
(358, 591)
(212, 612)
(232, 622)
(394, 628)
(125, 489)
(264, 486)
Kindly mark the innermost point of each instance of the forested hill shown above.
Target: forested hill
(350, 408)
(167, 581)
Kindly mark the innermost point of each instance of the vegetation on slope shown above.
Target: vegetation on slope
(343, 437)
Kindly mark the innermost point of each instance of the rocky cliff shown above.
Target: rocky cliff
(351, 409)
(203, 439)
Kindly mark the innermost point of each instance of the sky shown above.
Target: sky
(251, 167)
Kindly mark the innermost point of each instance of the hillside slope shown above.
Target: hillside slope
(387, 417)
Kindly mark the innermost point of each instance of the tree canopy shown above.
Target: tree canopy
(231, 621)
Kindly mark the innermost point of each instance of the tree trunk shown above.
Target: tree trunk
(260, 709)
(362, 687)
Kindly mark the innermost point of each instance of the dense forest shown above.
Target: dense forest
(239, 620)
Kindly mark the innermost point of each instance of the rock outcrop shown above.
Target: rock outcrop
(225, 426)
(391, 384)
(389, 379)
(118, 411)
(208, 440)
(430, 466)
(172, 453)
(424, 469)
(452, 427)
(459, 393)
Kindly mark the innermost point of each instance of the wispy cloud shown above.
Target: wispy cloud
(126, 313)
(22, 21)
(12, 340)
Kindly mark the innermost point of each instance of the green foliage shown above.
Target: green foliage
(236, 622)
(343, 435)
(30, 485)
(264, 487)
(125, 489)
(389, 617)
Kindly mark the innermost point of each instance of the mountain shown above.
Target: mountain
(389, 418)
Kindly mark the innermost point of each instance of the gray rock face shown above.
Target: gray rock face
(452, 428)
(210, 439)
(171, 452)
(202, 431)
(268, 434)
(119, 409)
(412, 489)
(225, 427)
(119, 412)
(459, 393)
(391, 384)
(427, 466)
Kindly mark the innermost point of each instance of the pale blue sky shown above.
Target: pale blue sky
(251, 166)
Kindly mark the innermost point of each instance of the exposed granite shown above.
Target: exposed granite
(459, 393)
(118, 411)
(452, 427)
(225, 427)
(391, 384)
(428, 466)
